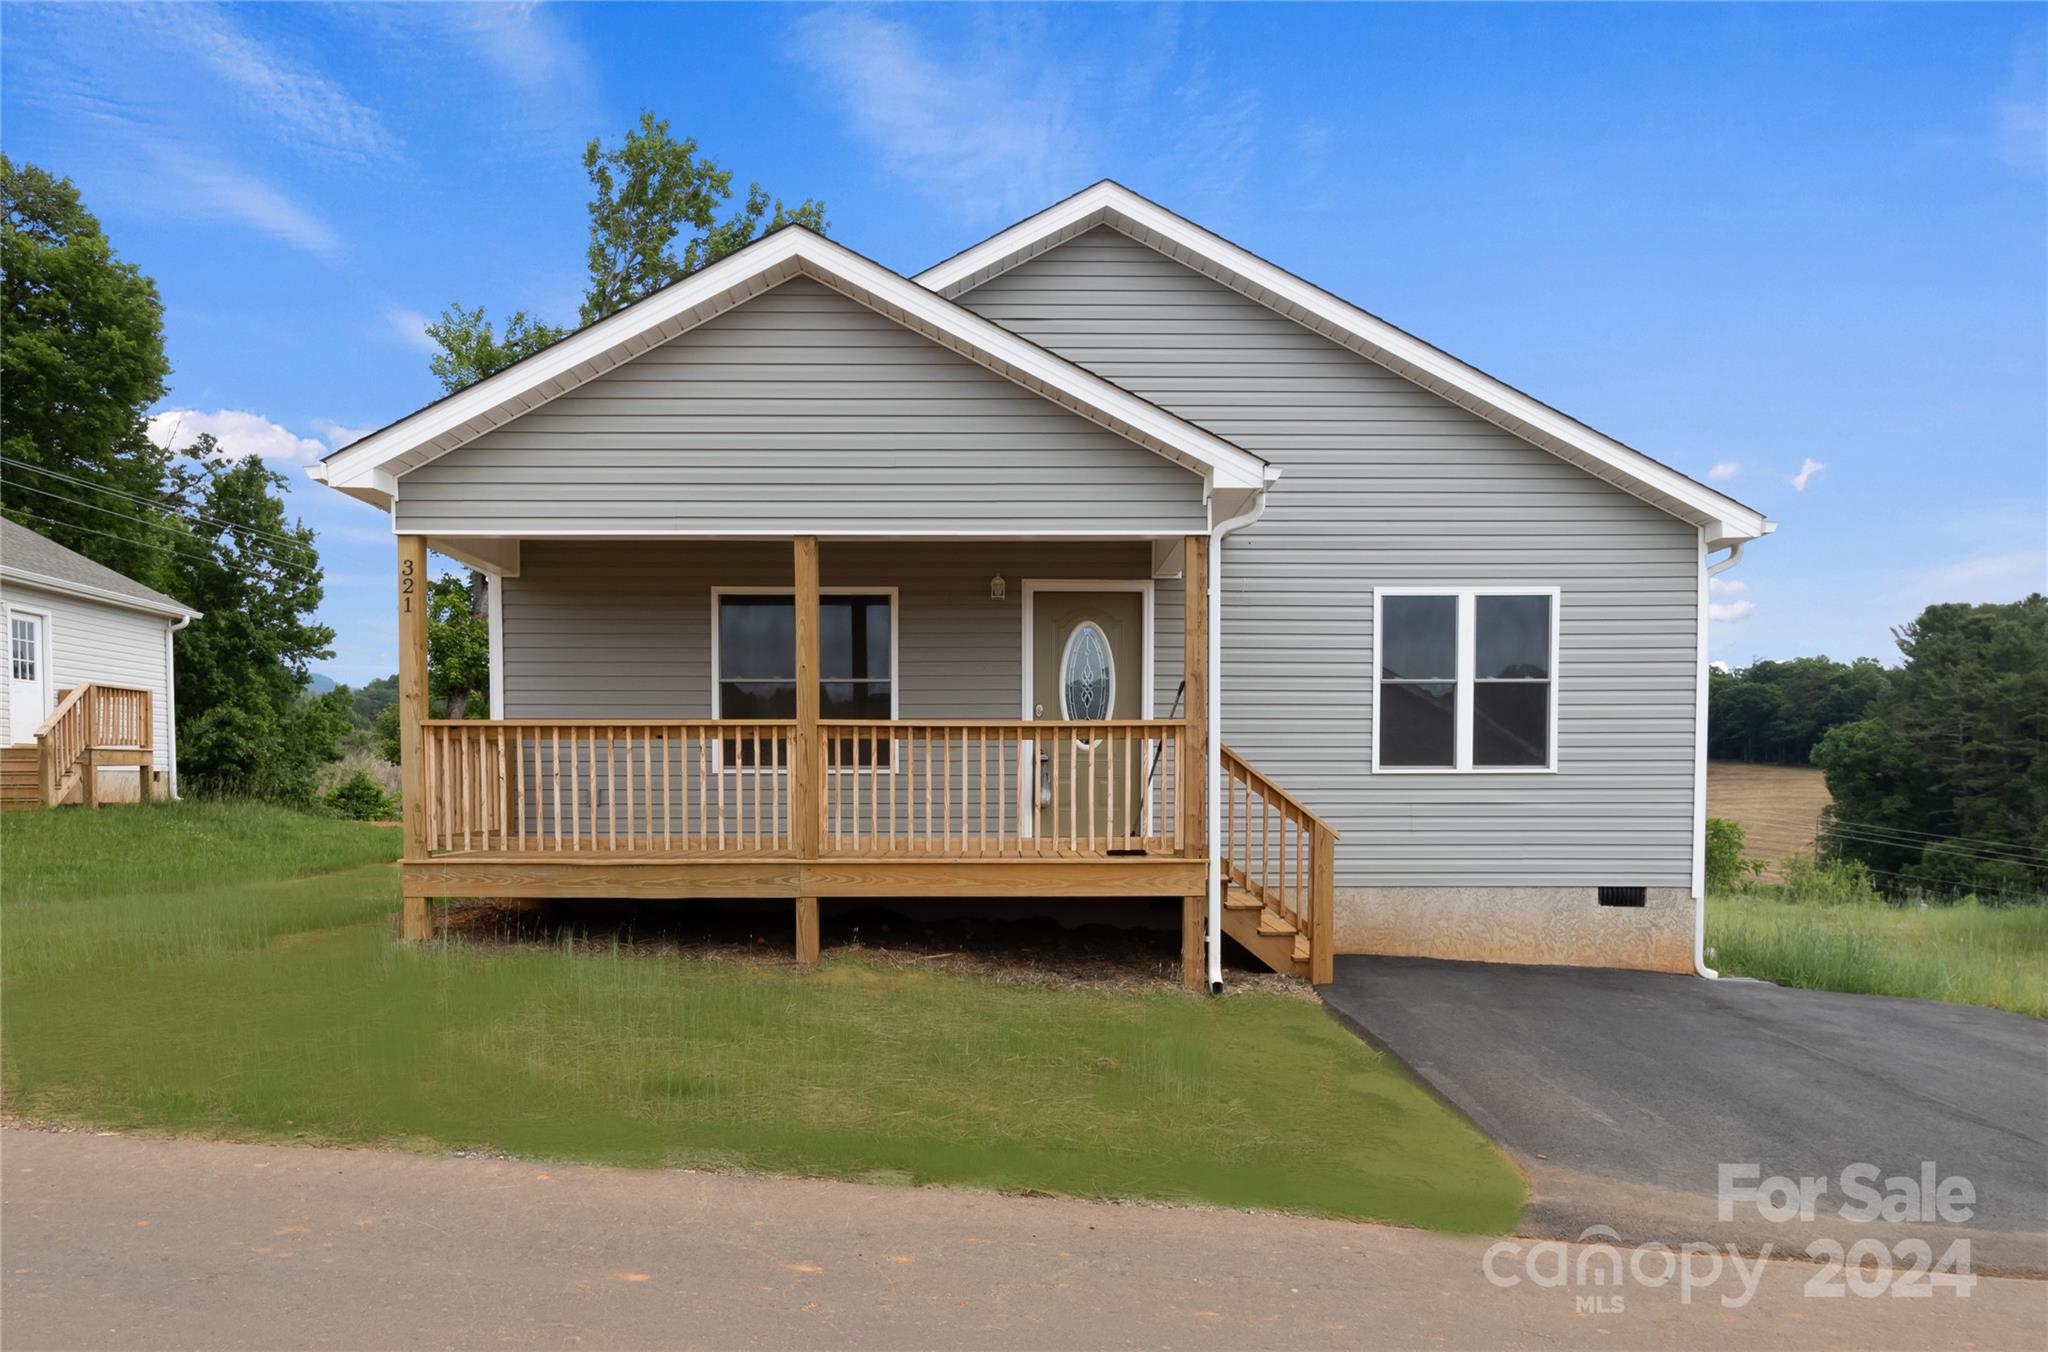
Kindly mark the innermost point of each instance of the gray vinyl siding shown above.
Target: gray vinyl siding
(800, 409)
(622, 629)
(92, 641)
(1386, 484)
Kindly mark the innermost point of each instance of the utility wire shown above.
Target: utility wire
(135, 497)
(253, 550)
(150, 544)
(1972, 845)
(1932, 837)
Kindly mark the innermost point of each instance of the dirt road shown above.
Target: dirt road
(117, 1242)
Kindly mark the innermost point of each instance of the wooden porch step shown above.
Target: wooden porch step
(1264, 934)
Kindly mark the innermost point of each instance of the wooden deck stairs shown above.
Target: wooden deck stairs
(1279, 875)
(21, 782)
(94, 727)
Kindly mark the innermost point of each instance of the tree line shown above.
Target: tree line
(1938, 767)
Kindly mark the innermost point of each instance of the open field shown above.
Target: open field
(229, 971)
(1968, 953)
(1778, 805)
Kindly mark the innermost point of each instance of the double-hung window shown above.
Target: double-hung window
(1465, 679)
(756, 664)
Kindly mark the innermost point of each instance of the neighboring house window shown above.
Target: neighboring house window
(1465, 679)
(757, 658)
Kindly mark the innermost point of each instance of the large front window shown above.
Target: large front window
(757, 655)
(1464, 680)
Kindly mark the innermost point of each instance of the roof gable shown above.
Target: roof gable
(369, 468)
(1116, 207)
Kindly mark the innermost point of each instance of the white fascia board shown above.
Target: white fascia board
(87, 591)
(1114, 205)
(369, 468)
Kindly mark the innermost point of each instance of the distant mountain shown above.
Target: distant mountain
(322, 683)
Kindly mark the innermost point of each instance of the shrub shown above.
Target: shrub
(1726, 867)
(1832, 882)
(359, 797)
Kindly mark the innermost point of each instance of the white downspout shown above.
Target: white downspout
(1699, 783)
(1215, 773)
(171, 698)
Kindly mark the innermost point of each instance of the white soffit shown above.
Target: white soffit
(369, 468)
(1113, 205)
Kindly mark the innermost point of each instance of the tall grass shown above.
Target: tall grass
(256, 993)
(1965, 952)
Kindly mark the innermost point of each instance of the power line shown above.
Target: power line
(271, 559)
(1930, 837)
(136, 498)
(145, 544)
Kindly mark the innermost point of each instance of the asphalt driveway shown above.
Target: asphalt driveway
(1622, 1094)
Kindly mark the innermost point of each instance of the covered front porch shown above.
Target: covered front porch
(850, 718)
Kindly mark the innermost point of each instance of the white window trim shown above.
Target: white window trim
(1467, 655)
(718, 595)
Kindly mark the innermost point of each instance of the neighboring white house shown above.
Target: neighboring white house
(70, 620)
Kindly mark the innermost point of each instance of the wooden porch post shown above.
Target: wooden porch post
(806, 808)
(1194, 930)
(412, 708)
(1194, 753)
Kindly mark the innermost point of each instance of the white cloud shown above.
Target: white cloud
(1807, 469)
(210, 191)
(239, 432)
(975, 130)
(295, 103)
(1727, 586)
(339, 435)
(1724, 470)
(1730, 612)
(411, 328)
(1718, 665)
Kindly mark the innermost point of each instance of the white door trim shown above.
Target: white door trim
(1143, 586)
(45, 650)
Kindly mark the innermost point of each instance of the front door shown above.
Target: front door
(1087, 663)
(28, 675)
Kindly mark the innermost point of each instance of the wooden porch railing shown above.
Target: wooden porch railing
(1008, 789)
(577, 785)
(960, 790)
(91, 719)
(1281, 854)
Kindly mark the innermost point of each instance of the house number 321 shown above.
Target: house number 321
(405, 586)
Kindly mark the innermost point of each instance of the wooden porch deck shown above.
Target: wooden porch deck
(810, 808)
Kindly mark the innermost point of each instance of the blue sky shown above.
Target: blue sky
(1744, 240)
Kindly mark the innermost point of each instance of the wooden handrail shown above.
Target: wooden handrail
(92, 717)
(1295, 878)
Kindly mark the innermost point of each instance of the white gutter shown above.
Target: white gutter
(1699, 781)
(1217, 533)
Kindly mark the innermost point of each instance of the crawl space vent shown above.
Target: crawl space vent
(1623, 896)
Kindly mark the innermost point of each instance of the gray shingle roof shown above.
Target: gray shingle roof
(29, 556)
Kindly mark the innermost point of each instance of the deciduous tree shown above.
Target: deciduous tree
(81, 360)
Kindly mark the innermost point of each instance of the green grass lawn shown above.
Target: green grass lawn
(230, 970)
(1968, 953)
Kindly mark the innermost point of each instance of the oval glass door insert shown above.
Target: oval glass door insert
(1087, 674)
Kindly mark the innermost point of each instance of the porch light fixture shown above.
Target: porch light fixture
(997, 588)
